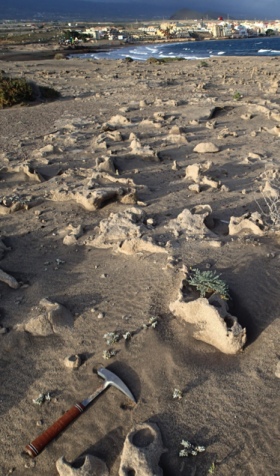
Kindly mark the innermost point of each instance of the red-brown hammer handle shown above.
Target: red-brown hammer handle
(37, 445)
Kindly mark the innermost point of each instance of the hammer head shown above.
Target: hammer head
(112, 379)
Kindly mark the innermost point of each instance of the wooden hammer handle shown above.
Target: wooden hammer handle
(37, 445)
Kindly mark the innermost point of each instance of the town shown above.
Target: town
(133, 32)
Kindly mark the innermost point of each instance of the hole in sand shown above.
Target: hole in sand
(143, 438)
(130, 472)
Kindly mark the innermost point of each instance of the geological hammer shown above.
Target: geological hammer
(36, 446)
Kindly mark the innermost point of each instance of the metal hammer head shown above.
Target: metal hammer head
(113, 379)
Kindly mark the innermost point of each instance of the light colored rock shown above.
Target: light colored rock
(274, 130)
(277, 370)
(246, 224)
(8, 279)
(211, 320)
(89, 466)
(117, 228)
(206, 148)
(177, 138)
(47, 150)
(141, 452)
(55, 319)
(210, 182)
(138, 149)
(105, 164)
(139, 245)
(191, 223)
(119, 120)
(90, 199)
(72, 361)
(175, 130)
(193, 172)
(194, 187)
(73, 233)
(94, 199)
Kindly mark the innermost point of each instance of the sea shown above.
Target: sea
(259, 46)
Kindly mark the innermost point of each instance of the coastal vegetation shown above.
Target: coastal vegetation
(15, 91)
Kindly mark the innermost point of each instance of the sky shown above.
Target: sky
(265, 8)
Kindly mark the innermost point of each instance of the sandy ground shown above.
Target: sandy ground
(230, 403)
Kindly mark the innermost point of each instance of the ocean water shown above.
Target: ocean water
(195, 50)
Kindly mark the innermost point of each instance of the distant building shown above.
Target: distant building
(241, 30)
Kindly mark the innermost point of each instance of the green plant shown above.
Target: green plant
(203, 64)
(212, 468)
(177, 394)
(14, 91)
(237, 96)
(208, 282)
(111, 337)
(190, 449)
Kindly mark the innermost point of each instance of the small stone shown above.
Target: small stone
(277, 371)
(72, 361)
(30, 464)
(194, 187)
(206, 148)
(101, 315)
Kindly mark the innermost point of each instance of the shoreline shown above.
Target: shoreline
(49, 51)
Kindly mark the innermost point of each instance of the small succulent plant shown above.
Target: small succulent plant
(127, 336)
(190, 449)
(108, 354)
(208, 282)
(111, 337)
(177, 394)
(43, 397)
(237, 96)
(153, 322)
(212, 468)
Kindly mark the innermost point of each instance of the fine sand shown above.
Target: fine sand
(142, 122)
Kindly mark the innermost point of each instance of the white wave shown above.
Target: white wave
(133, 57)
(264, 51)
(195, 57)
(153, 50)
(275, 51)
(221, 53)
(138, 52)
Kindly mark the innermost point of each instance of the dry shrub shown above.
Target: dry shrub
(14, 91)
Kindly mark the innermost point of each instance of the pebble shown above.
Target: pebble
(101, 315)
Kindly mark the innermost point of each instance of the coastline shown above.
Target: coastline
(49, 51)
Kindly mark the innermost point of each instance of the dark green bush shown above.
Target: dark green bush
(18, 91)
(14, 91)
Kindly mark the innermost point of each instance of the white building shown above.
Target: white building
(241, 30)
